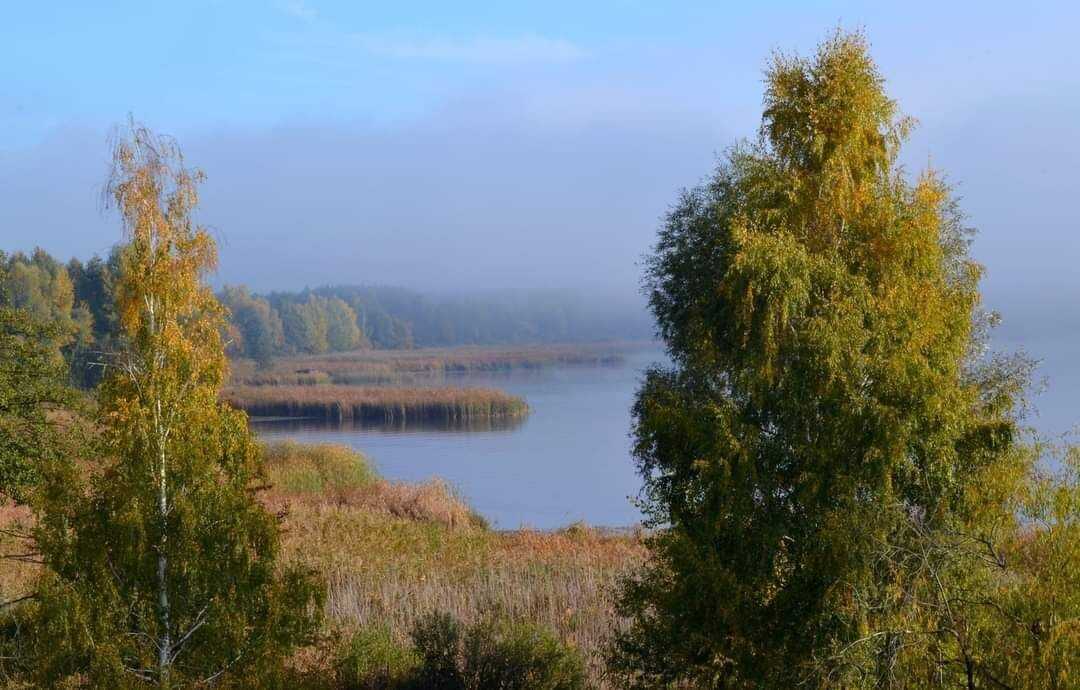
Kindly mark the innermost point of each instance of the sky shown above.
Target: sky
(463, 146)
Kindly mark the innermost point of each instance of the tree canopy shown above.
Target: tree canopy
(162, 566)
(32, 387)
(829, 389)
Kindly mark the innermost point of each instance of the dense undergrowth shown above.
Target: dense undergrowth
(397, 556)
(393, 554)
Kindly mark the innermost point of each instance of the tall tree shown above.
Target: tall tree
(31, 389)
(40, 285)
(305, 325)
(93, 288)
(258, 325)
(163, 568)
(822, 315)
(342, 332)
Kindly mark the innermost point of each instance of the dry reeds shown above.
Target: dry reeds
(393, 552)
(378, 405)
(367, 367)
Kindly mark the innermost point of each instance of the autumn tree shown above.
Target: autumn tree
(41, 286)
(162, 568)
(828, 399)
(342, 332)
(258, 326)
(305, 325)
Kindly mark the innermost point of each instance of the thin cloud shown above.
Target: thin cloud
(298, 9)
(477, 49)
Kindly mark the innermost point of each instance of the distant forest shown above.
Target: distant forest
(78, 297)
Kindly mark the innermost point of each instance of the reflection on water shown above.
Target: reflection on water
(280, 425)
(568, 460)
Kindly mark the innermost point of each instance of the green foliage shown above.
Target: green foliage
(438, 641)
(259, 330)
(305, 324)
(316, 469)
(822, 316)
(80, 299)
(342, 333)
(162, 569)
(446, 655)
(32, 378)
(93, 286)
(42, 287)
(499, 654)
(373, 660)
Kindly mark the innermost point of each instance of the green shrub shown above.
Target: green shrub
(317, 468)
(437, 638)
(519, 656)
(373, 660)
(493, 653)
(445, 655)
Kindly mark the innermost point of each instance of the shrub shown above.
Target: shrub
(519, 656)
(493, 653)
(437, 638)
(317, 469)
(373, 660)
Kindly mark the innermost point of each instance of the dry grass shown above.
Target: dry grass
(393, 552)
(366, 367)
(332, 475)
(382, 405)
(16, 574)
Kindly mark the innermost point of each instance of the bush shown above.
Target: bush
(492, 653)
(316, 469)
(519, 656)
(373, 660)
(437, 638)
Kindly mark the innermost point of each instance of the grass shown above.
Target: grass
(380, 367)
(393, 553)
(380, 405)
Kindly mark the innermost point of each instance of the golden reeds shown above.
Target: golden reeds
(373, 404)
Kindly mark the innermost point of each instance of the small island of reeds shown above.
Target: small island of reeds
(378, 405)
(422, 366)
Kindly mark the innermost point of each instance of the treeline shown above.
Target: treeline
(342, 318)
(78, 297)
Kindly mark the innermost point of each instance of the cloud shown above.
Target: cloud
(298, 9)
(529, 48)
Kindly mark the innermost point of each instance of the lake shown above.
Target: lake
(568, 460)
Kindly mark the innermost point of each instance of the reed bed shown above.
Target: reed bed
(387, 570)
(378, 405)
(406, 366)
(389, 558)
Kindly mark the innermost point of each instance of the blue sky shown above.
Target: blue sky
(454, 146)
(206, 64)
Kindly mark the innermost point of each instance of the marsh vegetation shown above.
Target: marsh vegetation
(458, 406)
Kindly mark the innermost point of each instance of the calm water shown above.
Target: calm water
(569, 460)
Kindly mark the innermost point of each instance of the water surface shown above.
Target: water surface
(569, 460)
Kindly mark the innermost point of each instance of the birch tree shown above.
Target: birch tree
(828, 384)
(164, 567)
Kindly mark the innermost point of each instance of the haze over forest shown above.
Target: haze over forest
(500, 149)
